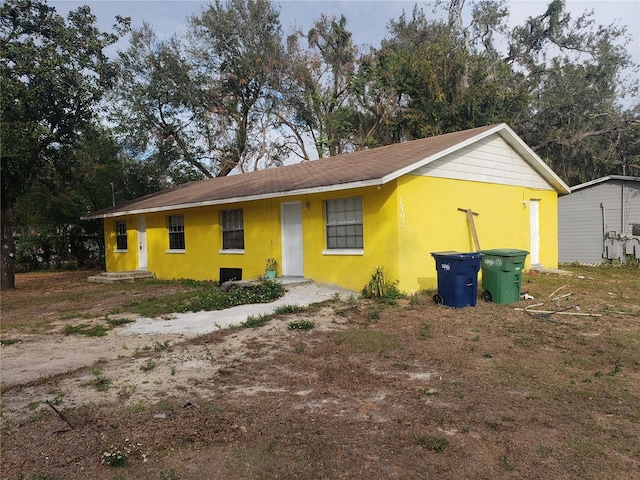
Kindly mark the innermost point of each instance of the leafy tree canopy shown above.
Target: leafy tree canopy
(54, 73)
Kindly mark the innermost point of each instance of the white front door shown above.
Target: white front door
(142, 244)
(534, 229)
(292, 251)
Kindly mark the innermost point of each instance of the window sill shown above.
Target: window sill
(175, 250)
(232, 251)
(119, 250)
(343, 251)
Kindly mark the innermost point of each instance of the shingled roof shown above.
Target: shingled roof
(375, 166)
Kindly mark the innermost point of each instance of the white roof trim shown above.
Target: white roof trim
(512, 139)
(304, 191)
(605, 179)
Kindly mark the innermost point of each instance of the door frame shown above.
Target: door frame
(534, 231)
(286, 251)
(143, 253)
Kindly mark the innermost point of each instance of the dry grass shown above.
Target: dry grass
(421, 391)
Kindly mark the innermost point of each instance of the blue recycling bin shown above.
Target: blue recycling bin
(457, 278)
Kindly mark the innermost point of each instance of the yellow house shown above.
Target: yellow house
(334, 220)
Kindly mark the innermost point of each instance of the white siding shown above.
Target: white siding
(490, 160)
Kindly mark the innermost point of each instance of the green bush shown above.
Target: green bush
(214, 299)
(381, 288)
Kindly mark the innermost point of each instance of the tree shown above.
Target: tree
(317, 87)
(559, 83)
(160, 108)
(444, 76)
(54, 72)
(98, 173)
(239, 46)
(576, 120)
(202, 104)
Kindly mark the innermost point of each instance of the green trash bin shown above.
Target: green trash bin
(502, 274)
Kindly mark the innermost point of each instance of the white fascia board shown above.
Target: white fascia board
(306, 191)
(604, 179)
(534, 160)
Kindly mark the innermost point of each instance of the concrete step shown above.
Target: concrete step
(130, 276)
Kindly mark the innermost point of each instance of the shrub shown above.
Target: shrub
(115, 457)
(256, 322)
(381, 288)
(215, 299)
(288, 309)
(302, 325)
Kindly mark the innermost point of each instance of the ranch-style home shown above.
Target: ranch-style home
(336, 219)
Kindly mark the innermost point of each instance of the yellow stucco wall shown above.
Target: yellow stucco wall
(380, 239)
(403, 222)
(120, 261)
(431, 222)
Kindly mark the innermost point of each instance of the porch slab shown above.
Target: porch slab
(130, 276)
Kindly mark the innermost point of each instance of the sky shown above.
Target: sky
(366, 19)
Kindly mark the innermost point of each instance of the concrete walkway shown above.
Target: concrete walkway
(299, 292)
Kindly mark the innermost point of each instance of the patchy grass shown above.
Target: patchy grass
(301, 325)
(73, 315)
(97, 330)
(116, 322)
(160, 346)
(289, 309)
(435, 444)
(256, 322)
(99, 381)
(424, 391)
(148, 365)
(367, 340)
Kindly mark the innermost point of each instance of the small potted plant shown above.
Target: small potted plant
(271, 267)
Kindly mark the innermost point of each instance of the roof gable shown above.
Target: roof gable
(489, 160)
(375, 166)
(608, 178)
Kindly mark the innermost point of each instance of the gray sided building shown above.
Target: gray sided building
(600, 221)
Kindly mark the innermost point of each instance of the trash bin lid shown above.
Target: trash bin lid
(452, 254)
(505, 252)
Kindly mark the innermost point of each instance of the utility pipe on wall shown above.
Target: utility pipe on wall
(604, 230)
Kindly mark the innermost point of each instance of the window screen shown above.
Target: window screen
(232, 230)
(176, 232)
(344, 223)
(121, 235)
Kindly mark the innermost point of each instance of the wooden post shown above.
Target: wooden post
(472, 226)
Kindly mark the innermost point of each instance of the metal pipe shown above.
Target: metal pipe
(622, 208)
(604, 230)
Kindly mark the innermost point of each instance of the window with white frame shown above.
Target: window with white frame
(121, 235)
(344, 223)
(232, 230)
(176, 232)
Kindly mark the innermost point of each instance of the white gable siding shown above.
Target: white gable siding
(490, 160)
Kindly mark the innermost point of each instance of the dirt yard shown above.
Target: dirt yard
(413, 390)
